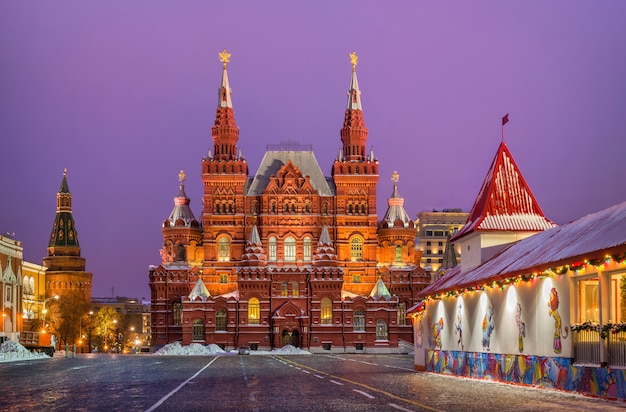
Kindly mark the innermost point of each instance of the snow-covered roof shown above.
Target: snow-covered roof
(591, 237)
(199, 290)
(380, 290)
(504, 202)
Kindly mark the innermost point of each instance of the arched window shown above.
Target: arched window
(272, 249)
(295, 289)
(255, 208)
(363, 208)
(217, 208)
(223, 249)
(284, 289)
(350, 208)
(230, 208)
(290, 249)
(273, 207)
(224, 208)
(381, 330)
(325, 208)
(254, 311)
(398, 253)
(178, 313)
(307, 208)
(356, 249)
(181, 253)
(326, 316)
(198, 329)
(359, 321)
(307, 248)
(220, 321)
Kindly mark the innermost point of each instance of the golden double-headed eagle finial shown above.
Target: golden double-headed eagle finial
(224, 57)
(395, 177)
(182, 176)
(353, 59)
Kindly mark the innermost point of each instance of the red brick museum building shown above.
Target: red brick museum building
(287, 256)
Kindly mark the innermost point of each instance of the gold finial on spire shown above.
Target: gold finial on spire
(224, 57)
(182, 176)
(395, 177)
(353, 59)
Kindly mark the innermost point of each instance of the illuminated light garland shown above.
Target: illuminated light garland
(578, 267)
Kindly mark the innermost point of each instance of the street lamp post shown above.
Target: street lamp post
(80, 331)
(44, 310)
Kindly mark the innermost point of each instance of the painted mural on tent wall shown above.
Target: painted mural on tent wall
(527, 317)
(518, 333)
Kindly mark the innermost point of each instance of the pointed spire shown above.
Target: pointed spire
(224, 92)
(63, 231)
(64, 186)
(325, 253)
(380, 291)
(354, 94)
(396, 215)
(324, 236)
(449, 256)
(505, 202)
(255, 239)
(181, 213)
(199, 290)
(354, 132)
(254, 254)
(225, 132)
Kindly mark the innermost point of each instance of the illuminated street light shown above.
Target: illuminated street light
(80, 331)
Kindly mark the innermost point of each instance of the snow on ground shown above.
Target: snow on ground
(176, 349)
(12, 351)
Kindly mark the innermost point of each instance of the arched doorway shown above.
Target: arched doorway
(291, 337)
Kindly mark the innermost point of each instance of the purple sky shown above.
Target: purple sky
(123, 95)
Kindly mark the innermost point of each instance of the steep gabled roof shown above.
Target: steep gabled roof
(505, 202)
(199, 290)
(305, 161)
(380, 290)
(591, 237)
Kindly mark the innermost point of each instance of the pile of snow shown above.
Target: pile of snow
(12, 351)
(196, 349)
(288, 350)
(176, 349)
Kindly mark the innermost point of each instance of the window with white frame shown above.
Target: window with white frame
(272, 256)
(307, 248)
(290, 249)
(359, 321)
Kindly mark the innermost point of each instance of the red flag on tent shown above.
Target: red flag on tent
(505, 119)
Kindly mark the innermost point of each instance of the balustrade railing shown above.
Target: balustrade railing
(587, 346)
(588, 341)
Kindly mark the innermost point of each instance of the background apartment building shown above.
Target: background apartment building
(433, 231)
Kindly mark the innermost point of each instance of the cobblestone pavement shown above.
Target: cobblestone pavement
(263, 383)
